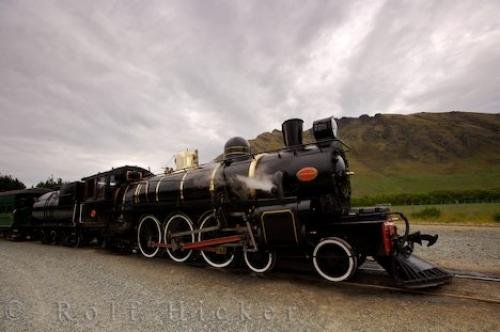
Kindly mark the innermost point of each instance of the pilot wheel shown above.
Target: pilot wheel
(334, 259)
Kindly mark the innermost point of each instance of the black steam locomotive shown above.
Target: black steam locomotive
(291, 202)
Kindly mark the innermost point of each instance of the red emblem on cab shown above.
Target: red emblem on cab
(307, 174)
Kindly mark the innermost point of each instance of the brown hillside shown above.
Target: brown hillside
(421, 144)
(435, 140)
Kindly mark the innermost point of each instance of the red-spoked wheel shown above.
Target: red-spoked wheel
(260, 261)
(149, 236)
(179, 223)
(218, 257)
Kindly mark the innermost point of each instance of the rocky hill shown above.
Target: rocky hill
(422, 152)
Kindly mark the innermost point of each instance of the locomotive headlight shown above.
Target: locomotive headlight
(325, 129)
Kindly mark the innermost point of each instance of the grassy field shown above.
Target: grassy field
(477, 213)
(408, 182)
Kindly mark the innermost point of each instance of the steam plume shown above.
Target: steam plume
(264, 183)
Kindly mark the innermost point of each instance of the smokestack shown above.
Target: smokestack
(292, 132)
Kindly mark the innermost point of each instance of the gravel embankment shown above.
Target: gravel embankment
(48, 288)
(468, 248)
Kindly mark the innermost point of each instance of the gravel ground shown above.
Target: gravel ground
(48, 288)
(468, 248)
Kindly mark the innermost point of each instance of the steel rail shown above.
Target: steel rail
(422, 292)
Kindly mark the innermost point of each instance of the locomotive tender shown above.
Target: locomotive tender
(290, 202)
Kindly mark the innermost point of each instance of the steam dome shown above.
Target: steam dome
(236, 147)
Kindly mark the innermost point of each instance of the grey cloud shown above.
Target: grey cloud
(87, 85)
(418, 48)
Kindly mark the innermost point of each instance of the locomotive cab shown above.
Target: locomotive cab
(101, 190)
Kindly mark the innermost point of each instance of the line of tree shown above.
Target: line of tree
(435, 197)
(8, 182)
(50, 183)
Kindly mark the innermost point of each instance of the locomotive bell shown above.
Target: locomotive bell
(292, 132)
(236, 147)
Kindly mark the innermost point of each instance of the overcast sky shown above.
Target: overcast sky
(90, 85)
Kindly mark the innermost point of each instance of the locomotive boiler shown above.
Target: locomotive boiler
(288, 202)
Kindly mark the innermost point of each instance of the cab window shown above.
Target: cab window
(100, 187)
(112, 180)
(89, 188)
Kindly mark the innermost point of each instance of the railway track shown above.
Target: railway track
(460, 274)
(425, 292)
(474, 276)
(464, 275)
(374, 277)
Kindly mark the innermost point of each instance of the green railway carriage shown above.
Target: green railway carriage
(15, 210)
